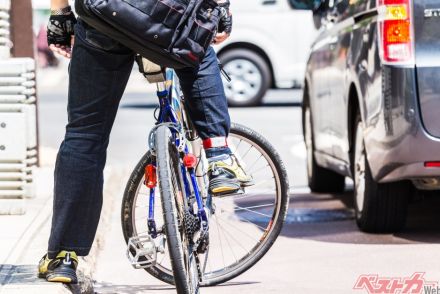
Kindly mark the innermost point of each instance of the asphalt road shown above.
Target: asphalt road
(320, 250)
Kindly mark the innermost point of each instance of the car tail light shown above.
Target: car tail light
(432, 164)
(396, 31)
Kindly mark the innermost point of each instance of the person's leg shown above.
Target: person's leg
(206, 102)
(207, 107)
(99, 71)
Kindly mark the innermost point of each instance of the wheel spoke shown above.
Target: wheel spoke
(236, 227)
(229, 244)
(237, 146)
(232, 237)
(247, 195)
(220, 239)
(247, 152)
(255, 162)
(242, 218)
(260, 183)
(256, 212)
(206, 261)
(258, 170)
(255, 206)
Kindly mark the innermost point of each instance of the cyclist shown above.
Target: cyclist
(98, 74)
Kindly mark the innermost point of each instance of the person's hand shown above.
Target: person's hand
(220, 38)
(225, 23)
(62, 50)
(60, 34)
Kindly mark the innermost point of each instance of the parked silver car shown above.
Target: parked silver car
(371, 104)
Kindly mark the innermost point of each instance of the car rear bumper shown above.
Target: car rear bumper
(396, 141)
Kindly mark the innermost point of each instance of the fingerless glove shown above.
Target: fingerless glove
(225, 23)
(60, 29)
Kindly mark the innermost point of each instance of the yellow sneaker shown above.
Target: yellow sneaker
(60, 269)
(226, 176)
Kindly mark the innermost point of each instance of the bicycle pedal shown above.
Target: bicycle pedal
(142, 251)
(240, 191)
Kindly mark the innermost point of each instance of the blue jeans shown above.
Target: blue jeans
(99, 71)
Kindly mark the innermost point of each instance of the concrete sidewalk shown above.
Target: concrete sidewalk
(23, 239)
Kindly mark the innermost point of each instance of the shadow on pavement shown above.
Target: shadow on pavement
(229, 284)
(126, 289)
(272, 104)
(121, 289)
(19, 274)
(423, 224)
(423, 221)
(152, 105)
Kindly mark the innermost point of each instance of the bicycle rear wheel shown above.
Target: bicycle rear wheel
(242, 227)
(174, 205)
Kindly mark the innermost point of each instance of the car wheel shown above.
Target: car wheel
(379, 207)
(320, 179)
(250, 77)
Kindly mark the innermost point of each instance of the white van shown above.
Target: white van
(268, 48)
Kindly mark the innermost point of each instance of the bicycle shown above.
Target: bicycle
(201, 240)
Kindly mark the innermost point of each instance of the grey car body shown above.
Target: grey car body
(397, 107)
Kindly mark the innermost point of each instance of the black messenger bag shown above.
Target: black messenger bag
(171, 33)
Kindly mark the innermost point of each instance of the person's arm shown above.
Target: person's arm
(60, 29)
(225, 25)
(58, 4)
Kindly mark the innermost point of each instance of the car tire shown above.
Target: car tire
(320, 179)
(379, 207)
(241, 64)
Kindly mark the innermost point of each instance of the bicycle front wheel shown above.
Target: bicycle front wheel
(173, 206)
(244, 227)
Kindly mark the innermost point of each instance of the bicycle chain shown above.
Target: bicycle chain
(199, 271)
(200, 247)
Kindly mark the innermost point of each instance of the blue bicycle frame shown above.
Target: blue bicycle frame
(170, 112)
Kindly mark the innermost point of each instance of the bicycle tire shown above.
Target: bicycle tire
(171, 189)
(236, 129)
